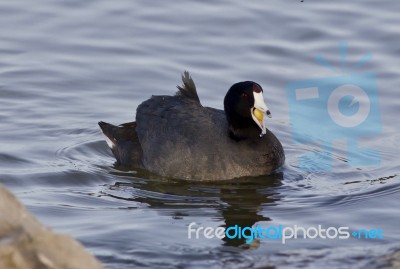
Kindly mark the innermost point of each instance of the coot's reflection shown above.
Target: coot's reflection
(244, 201)
(235, 202)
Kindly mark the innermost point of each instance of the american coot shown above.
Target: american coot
(175, 136)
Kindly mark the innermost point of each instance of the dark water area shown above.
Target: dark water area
(65, 65)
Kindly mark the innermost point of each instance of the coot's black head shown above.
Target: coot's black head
(245, 110)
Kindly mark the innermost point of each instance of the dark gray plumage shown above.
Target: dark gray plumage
(175, 136)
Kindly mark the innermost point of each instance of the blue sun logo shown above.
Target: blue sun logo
(343, 106)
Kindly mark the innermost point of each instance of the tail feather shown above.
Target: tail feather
(188, 88)
(123, 141)
(108, 130)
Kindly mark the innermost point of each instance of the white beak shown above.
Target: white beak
(259, 110)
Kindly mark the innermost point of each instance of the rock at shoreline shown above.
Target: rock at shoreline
(27, 244)
(391, 261)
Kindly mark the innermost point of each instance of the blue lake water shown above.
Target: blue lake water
(65, 65)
